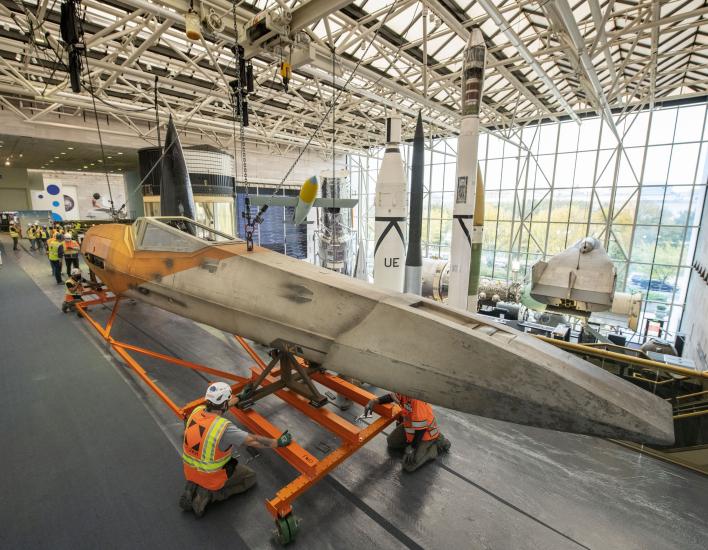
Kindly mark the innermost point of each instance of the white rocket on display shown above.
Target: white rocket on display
(461, 293)
(391, 210)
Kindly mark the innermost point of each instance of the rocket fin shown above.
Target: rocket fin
(176, 198)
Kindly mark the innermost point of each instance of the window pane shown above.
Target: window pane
(630, 167)
(580, 205)
(508, 175)
(589, 134)
(568, 140)
(676, 204)
(560, 210)
(636, 133)
(547, 139)
(683, 164)
(662, 126)
(689, 123)
(565, 169)
(657, 165)
(650, 205)
(644, 243)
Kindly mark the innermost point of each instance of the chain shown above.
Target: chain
(251, 224)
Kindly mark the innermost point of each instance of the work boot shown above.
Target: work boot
(443, 444)
(185, 501)
(201, 498)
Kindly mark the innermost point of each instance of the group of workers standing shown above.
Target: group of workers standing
(210, 445)
(60, 242)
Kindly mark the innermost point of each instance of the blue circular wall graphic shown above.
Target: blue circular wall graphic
(55, 204)
(53, 189)
(56, 217)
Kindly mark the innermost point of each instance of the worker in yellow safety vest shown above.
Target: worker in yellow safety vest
(15, 235)
(209, 452)
(55, 252)
(42, 237)
(32, 236)
(71, 253)
(417, 433)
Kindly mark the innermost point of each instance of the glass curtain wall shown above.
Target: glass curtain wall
(549, 185)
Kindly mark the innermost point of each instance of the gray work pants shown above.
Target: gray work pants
(425, 452)
(240, 481)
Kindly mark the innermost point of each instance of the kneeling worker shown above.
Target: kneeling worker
(209, 452)
(74, 290)
(417, 433)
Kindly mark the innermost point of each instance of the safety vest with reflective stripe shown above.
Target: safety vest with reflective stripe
(203, 460)
(43, 233)
(417, 415)
(14, 232)
(71, 248)
(31, 234)
(53, 249)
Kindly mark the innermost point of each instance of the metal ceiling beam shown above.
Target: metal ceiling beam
(527, 56)
(314, 10)
(458, 28)
(571, 27)
(599, 22)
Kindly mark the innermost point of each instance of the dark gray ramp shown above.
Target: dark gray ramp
(84, 464)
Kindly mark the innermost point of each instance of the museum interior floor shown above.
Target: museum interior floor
(92, 458)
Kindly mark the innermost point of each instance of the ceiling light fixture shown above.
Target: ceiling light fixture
(120, 153)
(7, 162)
(70, 148)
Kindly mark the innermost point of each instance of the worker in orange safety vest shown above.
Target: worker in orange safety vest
(417, 433)
(209, 452)
(71, 253)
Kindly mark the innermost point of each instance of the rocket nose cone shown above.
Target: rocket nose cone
(476, 38)
(419, 127)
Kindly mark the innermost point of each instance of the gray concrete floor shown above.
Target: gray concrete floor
(502, 486)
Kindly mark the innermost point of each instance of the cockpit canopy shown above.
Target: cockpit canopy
(176, 234)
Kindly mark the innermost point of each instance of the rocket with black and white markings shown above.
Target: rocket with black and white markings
(414, 260)
(462, 290)
(390, 213)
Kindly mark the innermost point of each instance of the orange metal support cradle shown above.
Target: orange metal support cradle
(311, 469)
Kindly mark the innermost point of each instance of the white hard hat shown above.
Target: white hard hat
(76, 271)
(36, 222)
(218, 393)
(67, 235)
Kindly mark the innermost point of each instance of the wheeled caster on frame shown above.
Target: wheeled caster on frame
(286, 529)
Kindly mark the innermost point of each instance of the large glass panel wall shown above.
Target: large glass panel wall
(549, 185)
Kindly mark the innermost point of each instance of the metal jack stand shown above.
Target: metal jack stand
(293, 383)
(291, 375)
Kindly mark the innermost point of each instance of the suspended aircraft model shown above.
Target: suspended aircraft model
(397, 341)
(303, 203)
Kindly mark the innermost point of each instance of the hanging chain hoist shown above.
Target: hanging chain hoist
(240, 87)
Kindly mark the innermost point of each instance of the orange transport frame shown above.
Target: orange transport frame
(311, 469)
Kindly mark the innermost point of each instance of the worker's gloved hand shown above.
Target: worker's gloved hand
(370, 407)
(245, 392)
(285, 439)
(409, 455)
